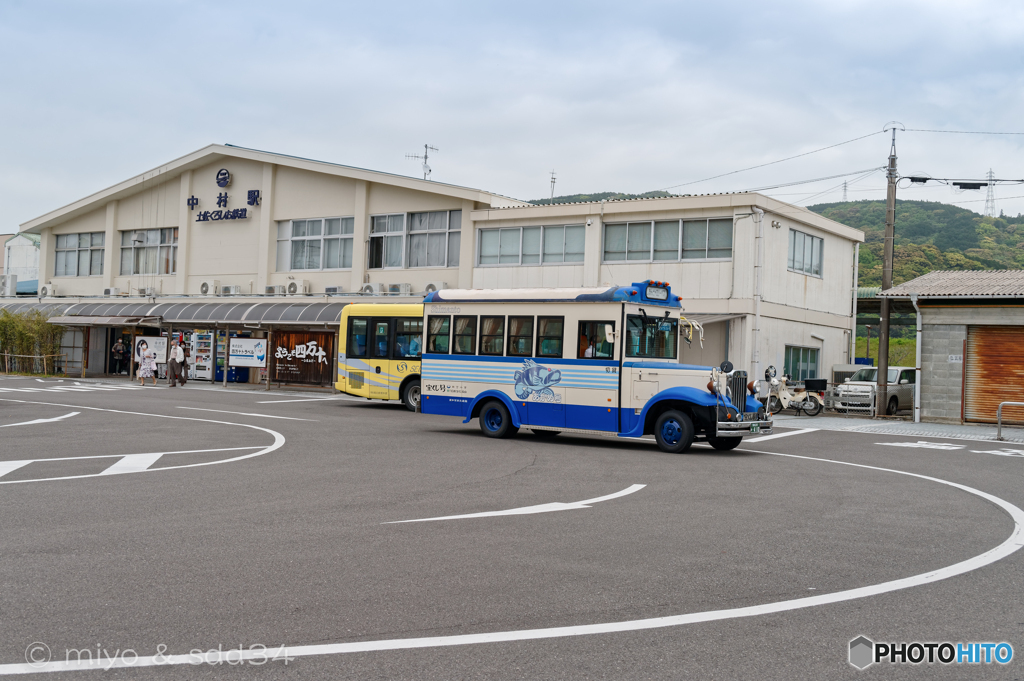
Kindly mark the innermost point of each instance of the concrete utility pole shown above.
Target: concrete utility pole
(890, 234)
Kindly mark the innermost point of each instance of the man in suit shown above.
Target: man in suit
(175, 362)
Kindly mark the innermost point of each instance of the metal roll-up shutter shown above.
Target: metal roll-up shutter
(994, 372)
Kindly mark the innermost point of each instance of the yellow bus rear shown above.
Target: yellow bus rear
(379, 352)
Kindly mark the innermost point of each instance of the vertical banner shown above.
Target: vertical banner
(303, 357)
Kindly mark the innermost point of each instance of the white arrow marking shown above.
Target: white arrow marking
(29, 423)
(133, 463)
(525, 510)
(8, 466)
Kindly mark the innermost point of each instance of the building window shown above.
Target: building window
(434, 238)
(668, 240)
(805, 253)
(552, 245)
(387, 235)
(801, 363)
(79, 255)
(149, 251)
(317, 244)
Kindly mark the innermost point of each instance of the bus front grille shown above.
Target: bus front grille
(355, 379)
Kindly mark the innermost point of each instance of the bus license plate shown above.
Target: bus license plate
(755, 427)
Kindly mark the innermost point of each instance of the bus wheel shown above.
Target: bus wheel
(724, 444)
(545, 434)
(674, 431)
(495, 420)
(411, 396)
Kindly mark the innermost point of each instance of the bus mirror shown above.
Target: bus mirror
(609, 331)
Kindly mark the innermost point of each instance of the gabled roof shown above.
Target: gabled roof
(962, 284)
(215, 152)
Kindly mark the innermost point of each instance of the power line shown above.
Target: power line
(763, 165)
(818, 179)
(964, 132)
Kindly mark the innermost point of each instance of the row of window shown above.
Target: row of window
(806, 253)
(668, 240)
(531, 245)
(149, 251)
(79, 255)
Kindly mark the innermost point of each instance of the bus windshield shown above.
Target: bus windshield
(654, 337)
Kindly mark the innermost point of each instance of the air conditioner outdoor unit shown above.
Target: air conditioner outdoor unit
(147, 292)
(210, 287)
(275, 290)
(47, 290)
(333, 290)
(9, 285)
(400, 289)
(231, 290)
(298, 287)
(435, 286)
(374, 289)
(111, 292)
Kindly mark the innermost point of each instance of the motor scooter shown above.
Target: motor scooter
(781, 397)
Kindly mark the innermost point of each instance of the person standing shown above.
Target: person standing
(147, 363)
(175, 362)
(118, 352)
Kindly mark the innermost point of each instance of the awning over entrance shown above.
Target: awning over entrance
(209, 312)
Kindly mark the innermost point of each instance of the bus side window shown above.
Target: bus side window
(520, 336)
(380, 338)
(407, 337)
(594, 341)
(549, 336)
(492, 336)
(465, 336)
(357, 337)
(438, 334)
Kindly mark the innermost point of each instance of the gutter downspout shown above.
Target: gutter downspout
(917, 362)
(755, 358)
(856, 282)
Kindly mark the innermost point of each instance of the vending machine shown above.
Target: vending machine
(201, 365)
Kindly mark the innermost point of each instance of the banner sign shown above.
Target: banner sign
(155, 344)
(303, 357)
(247, 352)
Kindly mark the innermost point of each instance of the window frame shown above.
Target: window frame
(77, 250)
(611, 342)
(541, 262)
(383, 237)
(680, 225)
(160, 246)
(472, 336)
(791, 254)
(540, 339)
(395, 323)
(500, 336)
(509, 336)
(429, 335)
(787, 355)
(323, 237)
(366, 334)
(448, 232)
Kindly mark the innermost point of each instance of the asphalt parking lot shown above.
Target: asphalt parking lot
(166, 521)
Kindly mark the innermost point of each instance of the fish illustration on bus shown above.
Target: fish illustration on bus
(536, 378)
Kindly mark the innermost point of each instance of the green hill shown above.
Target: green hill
(930, 236)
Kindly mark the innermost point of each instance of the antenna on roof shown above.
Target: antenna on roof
(426, 154)
(552, 187)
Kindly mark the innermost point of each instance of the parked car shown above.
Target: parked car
(856, 393)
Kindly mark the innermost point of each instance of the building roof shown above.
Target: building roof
(34, 238)
(215, 152)
(206, 313)
(962, 284)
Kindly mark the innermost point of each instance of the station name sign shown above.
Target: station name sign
(231, 214)
(223, 179)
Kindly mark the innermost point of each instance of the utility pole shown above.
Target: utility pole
(890, 235)
(552, 187)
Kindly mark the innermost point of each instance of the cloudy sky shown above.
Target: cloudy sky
(620, 96)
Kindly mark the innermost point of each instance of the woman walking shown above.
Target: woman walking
(147, 363)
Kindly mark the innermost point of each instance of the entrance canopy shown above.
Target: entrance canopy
(197, 314)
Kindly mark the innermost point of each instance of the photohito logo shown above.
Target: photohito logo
(864, 652)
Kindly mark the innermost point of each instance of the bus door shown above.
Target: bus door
(379, 360)
(357, 352)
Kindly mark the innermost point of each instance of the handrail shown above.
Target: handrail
(999, 417)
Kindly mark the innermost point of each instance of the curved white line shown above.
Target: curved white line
(278, 442)
(1010, 545)
(527, 510)
(56, 418)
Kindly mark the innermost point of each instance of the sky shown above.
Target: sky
(626, 97)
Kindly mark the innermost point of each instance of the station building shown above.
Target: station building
(243, 240)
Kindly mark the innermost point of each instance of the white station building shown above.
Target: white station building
(772, 283)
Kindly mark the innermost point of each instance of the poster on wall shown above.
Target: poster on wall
(303, 357)
(155, 344)
(247, 352)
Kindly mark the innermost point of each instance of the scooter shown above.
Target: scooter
(780, 397)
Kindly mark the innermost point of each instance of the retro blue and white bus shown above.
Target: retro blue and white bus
(581, 360)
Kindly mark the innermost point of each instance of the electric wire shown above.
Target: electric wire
(963, 132)
(818, 179)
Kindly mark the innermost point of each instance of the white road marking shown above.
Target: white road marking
(8, 466)
(1000, 452)
(279, 441)
(922, 444)
(778, 435)
(29, 423)
(242, 413)
(1012, 543)
(526, 510)
(313, 399)
(155, 455)
(133, 463)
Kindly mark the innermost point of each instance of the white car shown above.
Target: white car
(856, 392)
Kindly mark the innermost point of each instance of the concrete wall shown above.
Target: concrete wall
(941, 380)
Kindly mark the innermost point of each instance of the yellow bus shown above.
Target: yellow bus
(379, 352)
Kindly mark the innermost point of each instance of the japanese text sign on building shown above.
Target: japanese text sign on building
(247, 352)
(303, 357)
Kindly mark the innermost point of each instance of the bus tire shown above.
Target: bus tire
(411, 395)
(545, 434)
(495, 421)
(673, 431)
(724, 444)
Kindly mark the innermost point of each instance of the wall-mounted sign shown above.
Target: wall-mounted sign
(231, 214)
(956, 359)
(247, 352)
(223, 177)
(303, 357)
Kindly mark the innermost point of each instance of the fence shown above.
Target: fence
(31, 364)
